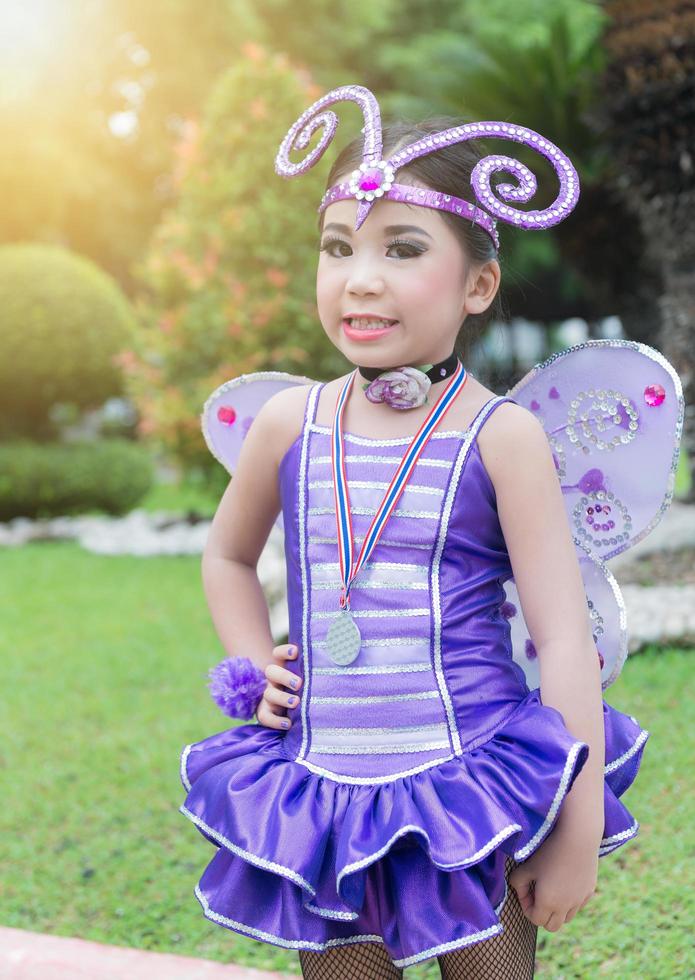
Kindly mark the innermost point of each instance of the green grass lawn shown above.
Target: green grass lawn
(104, 670)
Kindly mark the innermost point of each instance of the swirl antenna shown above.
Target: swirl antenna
(375, 177)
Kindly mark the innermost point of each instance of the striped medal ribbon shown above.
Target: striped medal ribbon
(343, 638)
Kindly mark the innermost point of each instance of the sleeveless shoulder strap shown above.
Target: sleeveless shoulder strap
(485, 413)
(312, 403)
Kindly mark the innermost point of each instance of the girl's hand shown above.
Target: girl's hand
(276, 696)
(558, 879)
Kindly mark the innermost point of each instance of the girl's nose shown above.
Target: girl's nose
(364, 280)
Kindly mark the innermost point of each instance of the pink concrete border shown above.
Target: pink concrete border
(35, 956)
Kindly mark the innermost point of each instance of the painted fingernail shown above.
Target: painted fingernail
(294, 683)
(292, 701)
(285, 724)
(293, 651)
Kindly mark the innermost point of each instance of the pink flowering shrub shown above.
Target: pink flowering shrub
(228, 285)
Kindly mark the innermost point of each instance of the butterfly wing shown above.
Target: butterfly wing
(229, 412)
(606, 612)
(613, 414)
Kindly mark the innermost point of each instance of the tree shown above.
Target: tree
(539, 65)
(649, 110)
(229, 282)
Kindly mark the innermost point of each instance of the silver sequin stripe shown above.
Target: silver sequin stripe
(375, 566)
(426, 954)
(271, 937)
(523, 852)
(310, 413)
(262, 935)
(338, 777)
(249, 856)
(434, 729)
(392, 655)
(419, 643)
(377, 698)
(314, 539)
(329, 944)
(471, 859)
(378, 485)
(377, 574)
(609, 844)
(356, 458)
(184, 768)
(436, 610)
(621, 760)
(398, 441)
(385, 748)
(332, 913)
(369, 741)
(373, 613)
(376, 669)
(370, 584)
(371, 511)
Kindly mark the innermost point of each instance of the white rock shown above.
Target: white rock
(675, 530)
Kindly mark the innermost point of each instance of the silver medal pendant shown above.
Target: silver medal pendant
(343, 639)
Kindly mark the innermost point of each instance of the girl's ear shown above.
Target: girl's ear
(482, 286)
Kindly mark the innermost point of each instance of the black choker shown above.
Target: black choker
(437, 372)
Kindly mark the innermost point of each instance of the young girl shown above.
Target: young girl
(405, 795)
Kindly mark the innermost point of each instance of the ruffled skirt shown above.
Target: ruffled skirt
(307, 862)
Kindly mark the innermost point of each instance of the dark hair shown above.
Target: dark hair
(447, 170)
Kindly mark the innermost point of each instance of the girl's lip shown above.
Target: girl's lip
(366, 334)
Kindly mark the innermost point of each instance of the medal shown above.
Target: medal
(343, 639)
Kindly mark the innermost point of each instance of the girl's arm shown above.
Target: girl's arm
(534, 522)
(240, 530)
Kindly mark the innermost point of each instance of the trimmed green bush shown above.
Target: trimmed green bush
(53, 479)
(63, 322)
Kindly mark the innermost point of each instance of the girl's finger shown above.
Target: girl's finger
(271, 719)
(286, 651)
(555, 922)
(571, 914)
(282, 678)
(526, 903)
(283, 699)
(522, 886)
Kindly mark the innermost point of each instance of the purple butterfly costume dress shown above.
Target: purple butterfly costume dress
(408, 776)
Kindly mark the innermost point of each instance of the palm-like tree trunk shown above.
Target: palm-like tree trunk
(649, 107)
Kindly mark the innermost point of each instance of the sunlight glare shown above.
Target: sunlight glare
(28, 27)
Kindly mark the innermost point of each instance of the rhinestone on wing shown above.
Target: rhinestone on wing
(372, 180)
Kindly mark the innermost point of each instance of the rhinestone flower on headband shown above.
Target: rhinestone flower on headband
(376, 177)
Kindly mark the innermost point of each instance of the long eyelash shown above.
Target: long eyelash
(407, 244)
(396, 241)
(331, 241)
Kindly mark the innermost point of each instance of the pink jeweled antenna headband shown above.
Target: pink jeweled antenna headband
(375, 177)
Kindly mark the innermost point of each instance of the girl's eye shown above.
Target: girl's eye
(327, 245)
(412, 249)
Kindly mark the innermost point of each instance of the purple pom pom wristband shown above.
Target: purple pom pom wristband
(237, 686)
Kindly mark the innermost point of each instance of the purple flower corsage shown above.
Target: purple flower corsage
(237, 686)
(404, 387)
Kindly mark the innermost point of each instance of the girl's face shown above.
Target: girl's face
(404, 264)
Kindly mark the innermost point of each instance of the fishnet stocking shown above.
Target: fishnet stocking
(357, 961)
(507, 956)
